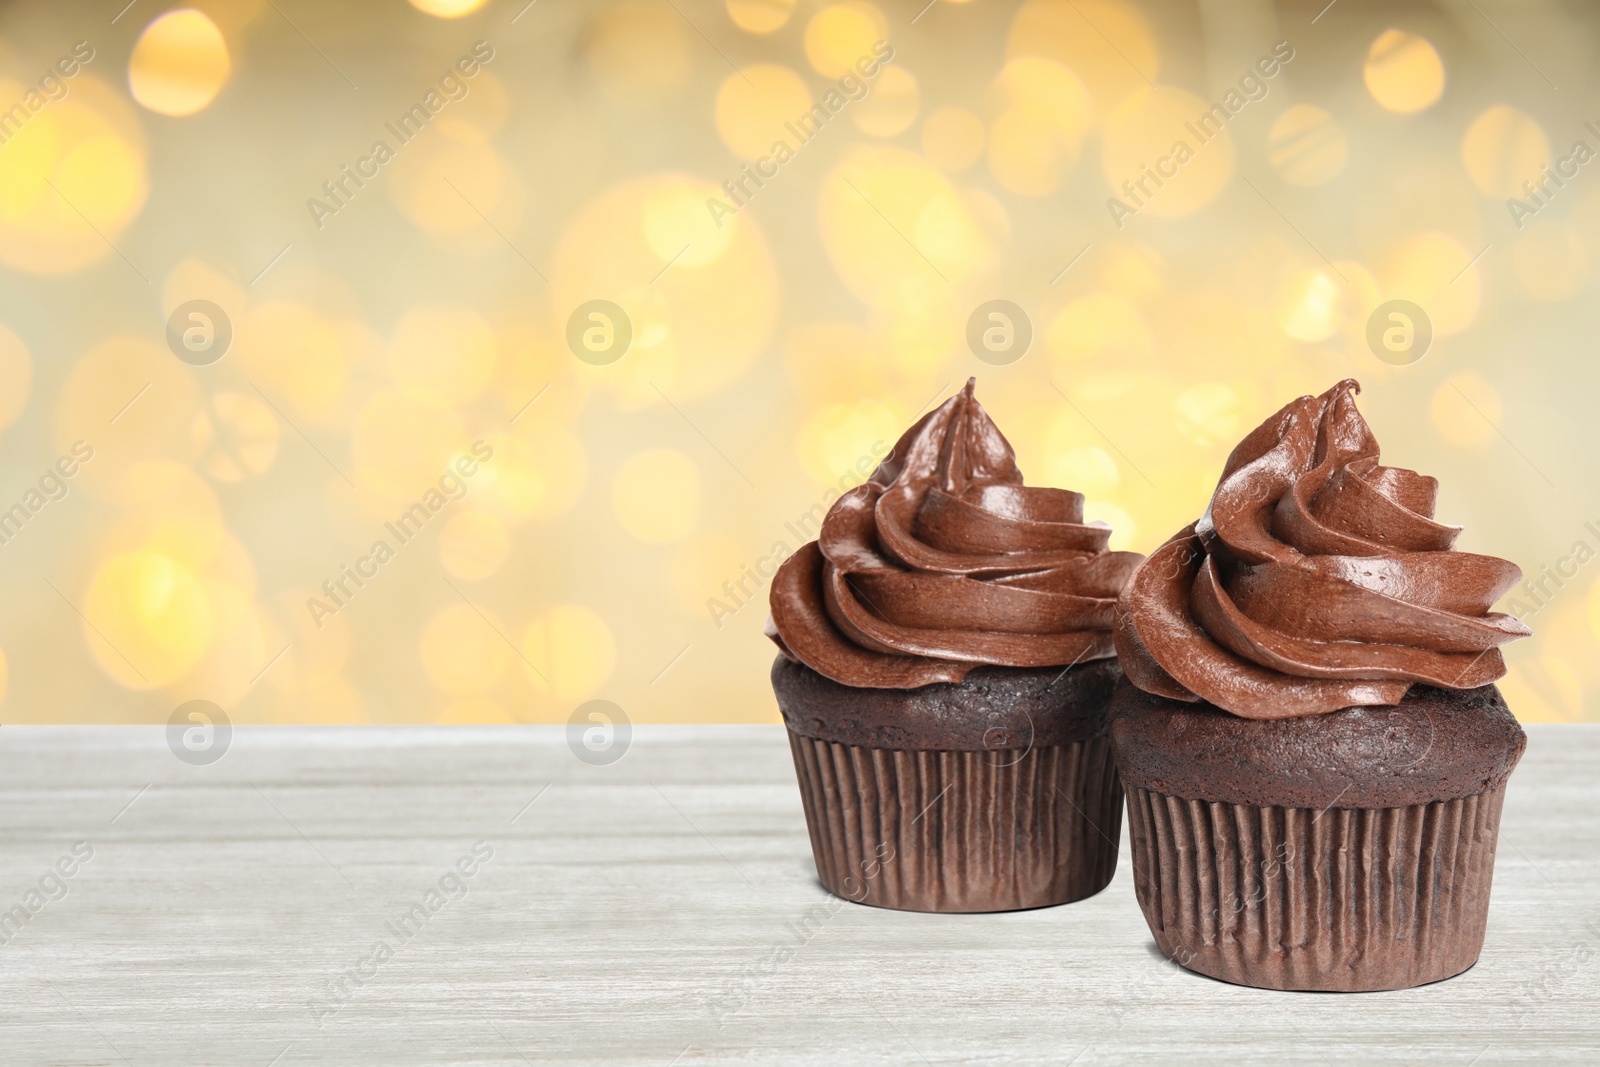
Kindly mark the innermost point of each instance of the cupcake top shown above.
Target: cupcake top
(1316, 580)
(943, 560)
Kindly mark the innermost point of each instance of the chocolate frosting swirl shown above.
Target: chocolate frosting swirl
(1316, 580)
(943, 560)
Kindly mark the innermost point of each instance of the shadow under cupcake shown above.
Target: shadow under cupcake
(945, 673)
(1314, 751)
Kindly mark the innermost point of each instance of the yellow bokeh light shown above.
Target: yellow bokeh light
(698, 322)
(475, 711)
(704, 564)
(1210, 414)
(474, 545)
(891, 106)
(237, 435)
(841, 35)
(1148, 127)
(952, 139)
(1307, 146)
(462, 652)
(1042, 114)
(1107, 43)
(537, 473)
(1132, 269)
(447, 9)
(1550, 261)
(1101, 329)
(1503, 149)
(1543, 689)
(839, 440)
(74, 178)
(639, 49)
(1310, 306)
(444, 354)
(1465, 410)
(830, 362)
(453, 188)
(295, 355)
(754, 103)
(180, 63)
(1403, 72)
(147, 619)
(656, 495)
(1430, 269)
(1086, 469)
(898, 233)
(1124, 530)
(760, 16)
(129, 401)
(572, 650)
(402, 444)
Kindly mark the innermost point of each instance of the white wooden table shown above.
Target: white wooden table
(660, 910)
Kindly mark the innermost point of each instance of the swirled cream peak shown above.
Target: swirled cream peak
(1316, 580)
(944, 560)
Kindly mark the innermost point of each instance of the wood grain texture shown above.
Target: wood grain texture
(664, 909)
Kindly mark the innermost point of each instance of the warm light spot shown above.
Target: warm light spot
(842, 35)
(1086, 469)
(1148, 130)
(1100, 330)
(451, 188)
(237, 436)
(656, 496)
(461, 651)
(1307, 146)
(444, 354)
(1107, 43)
(1503, 149)
(90, 147)
(475, 711)
(1466, 410)
(537, 473)
(474, 545)
(1124, 531)
(712, 566)
(16, 376)
(1550, 261)
(1543, 689)
(571, 650)
(149, 608)
(890, 106)
(680, 230)
(639, 49)
(832, 362)
(952, 139)
(1042, 114)
(898, 232)
(754, 106)
(5, 676)
(697, 323)
(180, 63)
(401, 445)
(1131, 269)
(152, 396)
(1430, 269)
(1403, 72)
(760, 16)
(842, 440)
(294, 355)
(1210, 414)
(1310, 307)
(447, 9)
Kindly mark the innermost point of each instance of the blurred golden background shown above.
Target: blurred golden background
(529, 294)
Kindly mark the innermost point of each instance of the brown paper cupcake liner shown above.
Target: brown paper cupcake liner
(961, 831)
(1293, 898)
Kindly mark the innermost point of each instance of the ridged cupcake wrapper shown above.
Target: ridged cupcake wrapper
(1292, 898)
(961, 831)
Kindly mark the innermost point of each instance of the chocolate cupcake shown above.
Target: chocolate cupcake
(1314, 750)
(945, 672)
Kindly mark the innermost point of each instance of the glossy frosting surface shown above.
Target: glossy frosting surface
(1316, 580)
(943, 560)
